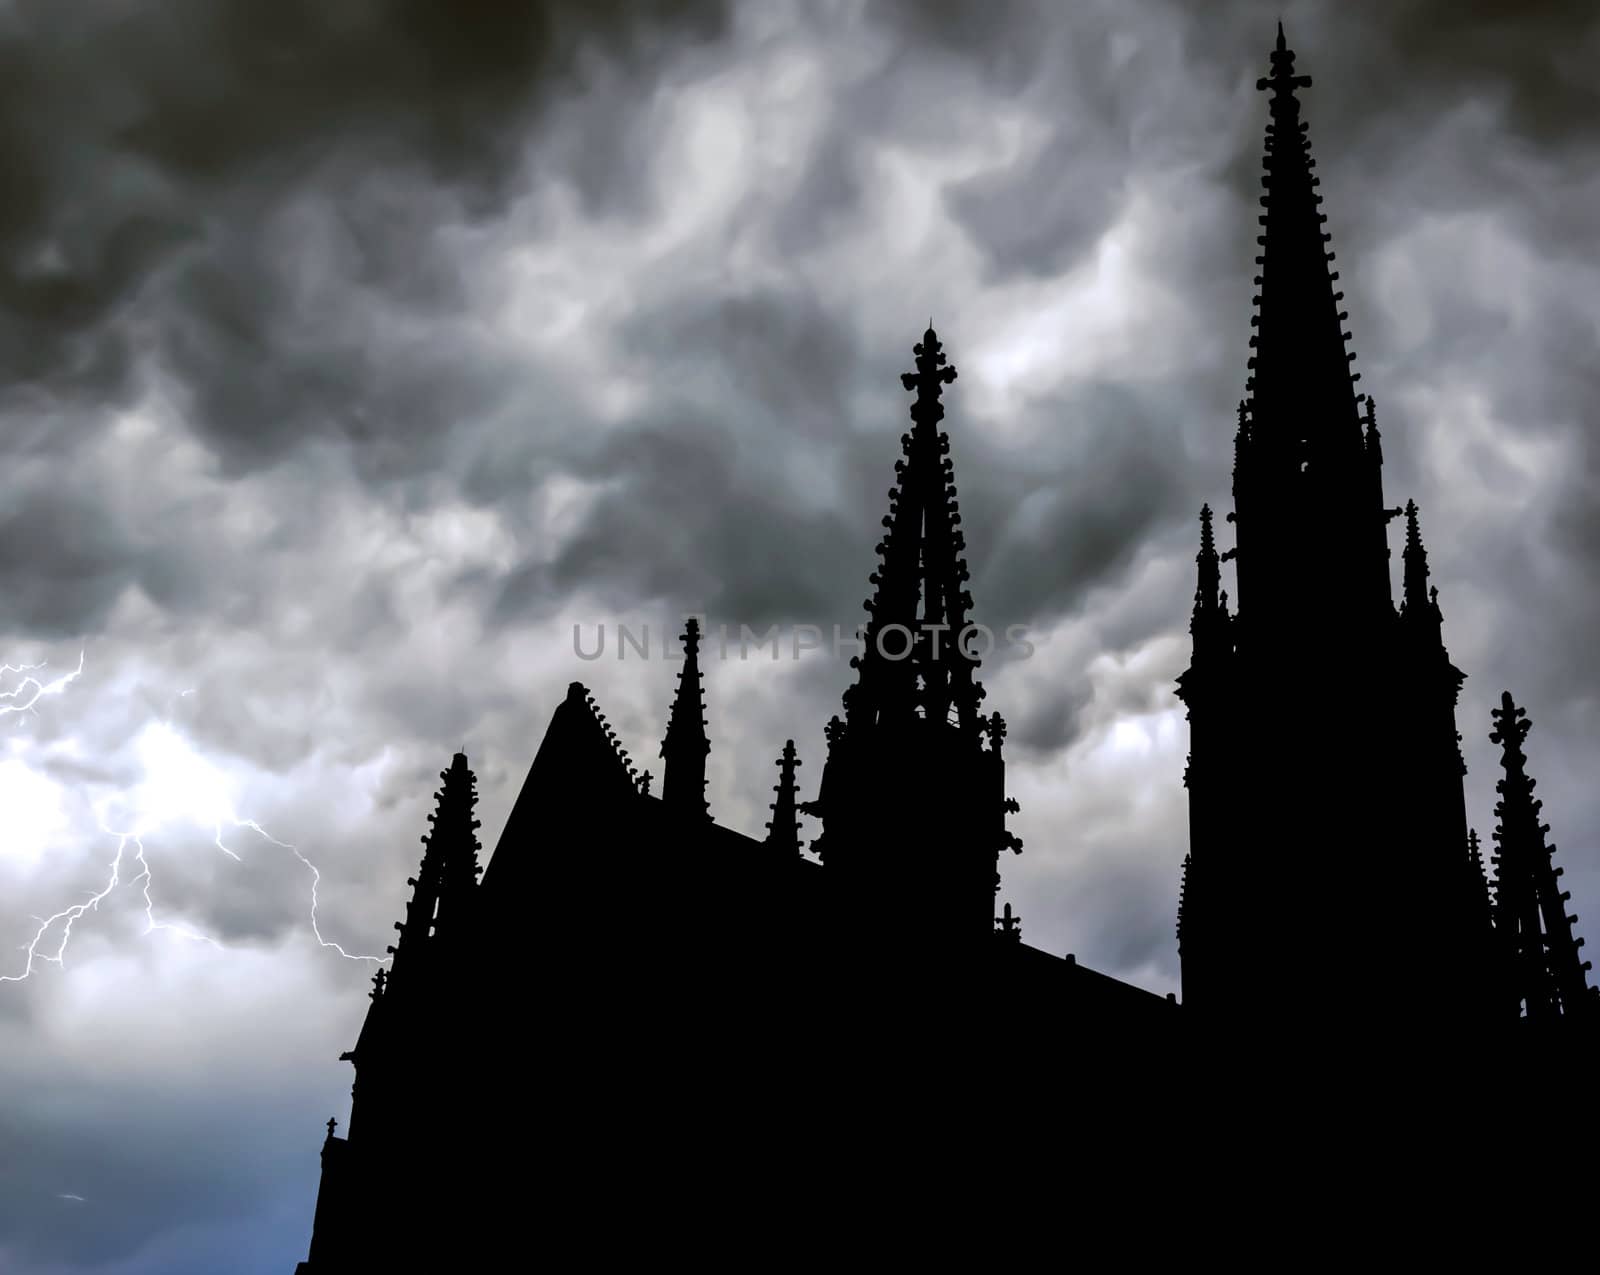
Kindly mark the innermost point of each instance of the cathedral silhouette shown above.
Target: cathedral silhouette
(628, 972)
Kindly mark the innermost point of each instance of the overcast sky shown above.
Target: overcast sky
(352, 353)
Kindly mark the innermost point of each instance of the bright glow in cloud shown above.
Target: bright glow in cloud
(34, 812)
(177, 787)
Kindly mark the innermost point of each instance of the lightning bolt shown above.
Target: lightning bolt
(8, 699)
(22, 698)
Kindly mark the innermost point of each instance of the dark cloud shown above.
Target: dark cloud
(160, 158)
(1079, 518)
(1048, 723)
(349, 354)
(1047, 235)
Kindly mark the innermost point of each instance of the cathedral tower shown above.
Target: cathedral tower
(1328, 875)
(912, 795)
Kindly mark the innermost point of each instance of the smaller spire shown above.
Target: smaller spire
(1416, 568)
(1008, 926)
(1207, 585)
(455, 834)
(783, 832)
(1208, 622)
(1531, 921)
(684, 750)
(1205, 595)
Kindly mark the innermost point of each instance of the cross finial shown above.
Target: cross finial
(1008, 925)
(1283, 81)
(1511, 726)
(932, 372)
(332, 1125)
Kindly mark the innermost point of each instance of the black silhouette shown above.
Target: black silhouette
(783, 833)
(683, 751)
(631, 979)
(1318, 687)
(1545, 980)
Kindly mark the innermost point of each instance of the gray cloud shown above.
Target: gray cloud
(349, 358)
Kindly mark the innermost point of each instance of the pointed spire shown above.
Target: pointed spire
(455, 837)
(1301, 387)
(1535, 932)
(1208, 623)
(683, 779)
(783, 832)
(1009, 927)
(909, 786)
(1416, 601)
(1210, 573)
(911, 665)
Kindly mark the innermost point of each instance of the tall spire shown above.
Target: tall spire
(783, 833)
(1417, 602)
(920, 603)
(455, 836)
(1301, 388)
(683, 779)
(1547, 978)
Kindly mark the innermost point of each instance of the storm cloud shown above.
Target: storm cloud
(351, 355)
